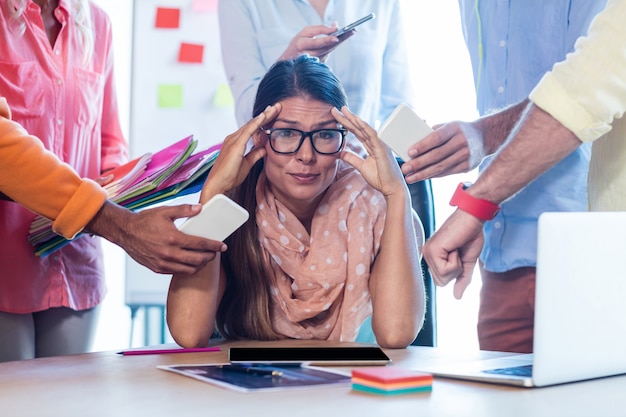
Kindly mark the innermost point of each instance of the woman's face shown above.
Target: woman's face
(299, 180)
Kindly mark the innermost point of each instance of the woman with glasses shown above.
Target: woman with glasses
(331, 240)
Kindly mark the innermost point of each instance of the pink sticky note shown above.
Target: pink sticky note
(167, 18)
(204, 6)
(190, 53)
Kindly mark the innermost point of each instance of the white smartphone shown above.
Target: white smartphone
(220, 216)
(352, 25)
(402, 129)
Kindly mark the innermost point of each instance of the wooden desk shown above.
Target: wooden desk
(111, 385)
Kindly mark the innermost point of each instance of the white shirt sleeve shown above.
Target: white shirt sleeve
(587, 91)
(241, 55)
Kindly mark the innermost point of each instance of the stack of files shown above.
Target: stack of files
(390, 381)
(150, 179)
(187, 179)
(127, 174)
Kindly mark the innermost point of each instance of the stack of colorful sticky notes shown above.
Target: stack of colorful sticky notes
(389, 380)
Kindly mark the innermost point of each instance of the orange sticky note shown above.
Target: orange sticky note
(204, 6)
(167, 18)
(190, 53)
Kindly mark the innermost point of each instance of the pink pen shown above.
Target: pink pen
(166, 351)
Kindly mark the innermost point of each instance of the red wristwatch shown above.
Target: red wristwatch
(483, 209)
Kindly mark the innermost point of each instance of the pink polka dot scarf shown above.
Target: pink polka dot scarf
(321, 280)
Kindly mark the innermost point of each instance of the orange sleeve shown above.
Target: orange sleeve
(38, 180)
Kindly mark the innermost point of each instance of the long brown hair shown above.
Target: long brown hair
(245, 309)
(244, 312)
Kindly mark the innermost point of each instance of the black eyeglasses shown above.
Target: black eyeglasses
(288, 141)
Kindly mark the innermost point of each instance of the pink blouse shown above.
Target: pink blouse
(71, 107)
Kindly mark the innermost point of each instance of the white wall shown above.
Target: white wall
(444, 90)
(114, 327)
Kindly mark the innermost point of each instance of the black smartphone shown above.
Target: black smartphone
(352, 25)
(332, 356)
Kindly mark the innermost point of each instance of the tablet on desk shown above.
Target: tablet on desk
(330, 356)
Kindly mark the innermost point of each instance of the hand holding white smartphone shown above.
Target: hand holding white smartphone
(219, 218)
(402, 129)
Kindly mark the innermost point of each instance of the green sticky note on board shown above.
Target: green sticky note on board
(170, 96)
(223, 97)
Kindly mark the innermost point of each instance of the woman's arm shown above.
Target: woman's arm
(192, 303)
(396, 284)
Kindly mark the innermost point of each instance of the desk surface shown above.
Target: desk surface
(108, 384)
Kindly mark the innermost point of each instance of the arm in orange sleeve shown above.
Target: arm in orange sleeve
(37, 179)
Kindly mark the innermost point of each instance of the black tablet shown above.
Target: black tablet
(331, 356)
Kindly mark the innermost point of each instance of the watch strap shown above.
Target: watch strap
(483, 209)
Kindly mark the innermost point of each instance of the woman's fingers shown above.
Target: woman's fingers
(241, 136)
(363, 131)
(232, 164)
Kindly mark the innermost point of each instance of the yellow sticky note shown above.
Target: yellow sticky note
(170, 96)
(223, 97)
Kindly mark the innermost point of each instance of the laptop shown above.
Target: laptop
(580, 307)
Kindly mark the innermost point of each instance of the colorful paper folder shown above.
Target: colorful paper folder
(152, 178)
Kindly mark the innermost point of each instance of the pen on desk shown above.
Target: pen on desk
(165, 351)
(252, 370)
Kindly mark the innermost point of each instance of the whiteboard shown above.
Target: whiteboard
(202, 108)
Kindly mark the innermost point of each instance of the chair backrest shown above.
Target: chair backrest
(423, 203)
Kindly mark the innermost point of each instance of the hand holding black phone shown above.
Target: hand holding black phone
(344, 33)
(352, 25)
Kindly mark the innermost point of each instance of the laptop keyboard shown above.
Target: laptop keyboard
(525, 370)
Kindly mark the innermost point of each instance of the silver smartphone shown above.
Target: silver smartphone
(352, 25)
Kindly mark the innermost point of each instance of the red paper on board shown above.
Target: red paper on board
(167, 18)
(190, 53)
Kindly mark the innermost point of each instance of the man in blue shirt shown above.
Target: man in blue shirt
(512, 44)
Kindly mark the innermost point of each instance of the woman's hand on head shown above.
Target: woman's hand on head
(380, 168)
(233, 164)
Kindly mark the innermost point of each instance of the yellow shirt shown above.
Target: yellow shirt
(587, 94)
(36, 178)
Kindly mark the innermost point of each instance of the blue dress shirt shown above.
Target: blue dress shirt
(512, 44)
